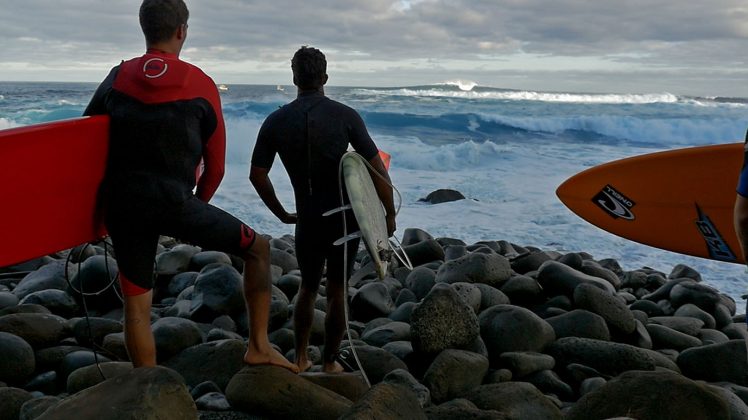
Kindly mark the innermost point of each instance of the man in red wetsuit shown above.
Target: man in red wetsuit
(166, 118)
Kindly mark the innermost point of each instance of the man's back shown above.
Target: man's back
(164, 116)
(310, 135)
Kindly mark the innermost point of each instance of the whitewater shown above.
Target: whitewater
(506, 150)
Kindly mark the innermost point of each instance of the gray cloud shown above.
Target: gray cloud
(383, 41)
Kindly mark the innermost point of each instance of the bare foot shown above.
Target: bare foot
(333, 367)
(304, 365)
(269, 357)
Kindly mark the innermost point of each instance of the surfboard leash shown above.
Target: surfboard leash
(345, 254)
(83, 295)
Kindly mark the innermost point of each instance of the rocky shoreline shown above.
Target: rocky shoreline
(490, 330)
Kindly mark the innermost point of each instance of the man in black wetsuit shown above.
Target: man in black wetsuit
(165, 119)
(310, 135)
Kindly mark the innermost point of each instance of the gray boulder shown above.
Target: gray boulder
(453, 373)
(216, 361)
(579, 323)
(17, 363)
(39, 330)
(146, 393)
(513, 328)
(476, 267)
(443, 320)
(278, 393)
(613, 310)
(218, 291)
(515, 400)
(726, 362)
(635, 395)
(386, 401)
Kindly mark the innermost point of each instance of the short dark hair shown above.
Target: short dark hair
(159, 19)
(309, 67)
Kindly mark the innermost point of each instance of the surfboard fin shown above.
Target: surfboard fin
(337, 210)
(347, 238)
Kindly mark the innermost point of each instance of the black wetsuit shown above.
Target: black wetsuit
(165, 118)
(310, 135)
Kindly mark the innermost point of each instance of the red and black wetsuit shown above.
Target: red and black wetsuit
(165, 119)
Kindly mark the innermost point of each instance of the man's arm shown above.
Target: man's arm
(384, 190)
(97, 105)
(261, 181)
(214, 150)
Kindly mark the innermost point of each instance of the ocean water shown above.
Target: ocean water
(506, 150)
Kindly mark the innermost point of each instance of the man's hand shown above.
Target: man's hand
(289, 218)
(391, 225)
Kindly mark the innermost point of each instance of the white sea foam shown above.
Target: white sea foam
(530, 96)
(6, 123)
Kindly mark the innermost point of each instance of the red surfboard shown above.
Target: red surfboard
(51, 174)
(679, 200)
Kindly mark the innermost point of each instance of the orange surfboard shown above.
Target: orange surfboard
(50, 178)
(679, 200)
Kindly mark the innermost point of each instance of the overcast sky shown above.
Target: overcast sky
(693, 47)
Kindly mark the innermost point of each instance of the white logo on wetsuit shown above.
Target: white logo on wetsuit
(154, 68)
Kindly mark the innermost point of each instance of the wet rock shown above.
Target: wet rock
(631, 395)
(59, 302)
(89, 376)
(443, 195)
(176, 260)
(39, 330)
(491, 269)
(157, 391)
(386, 401)
(612, 310)
(17, 363)
(579, 323)
(278, 393)
(524, 363)
(215, 361)
(204, 258)
(559, 279)
(218, 291)
(372, 300)
(515, 400)
(405, 379)
(606, 357)
(420, 281)
(49, 276)
(513, 328)
(453, 373)
(716, 362)
(172, 335)
(11, 400)
(443, 320)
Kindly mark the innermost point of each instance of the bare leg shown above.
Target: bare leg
(257, 298)
(303, 316)
(139, 340)
(334, 325)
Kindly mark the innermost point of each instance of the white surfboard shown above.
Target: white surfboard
(368, 210)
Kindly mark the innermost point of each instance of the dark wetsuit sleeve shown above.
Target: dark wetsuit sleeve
(743, 180)
(359, 137)
(97, 105)
(264, 152)
(214, 152)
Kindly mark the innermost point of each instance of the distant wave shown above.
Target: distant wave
(464, 85)
(518, 95)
